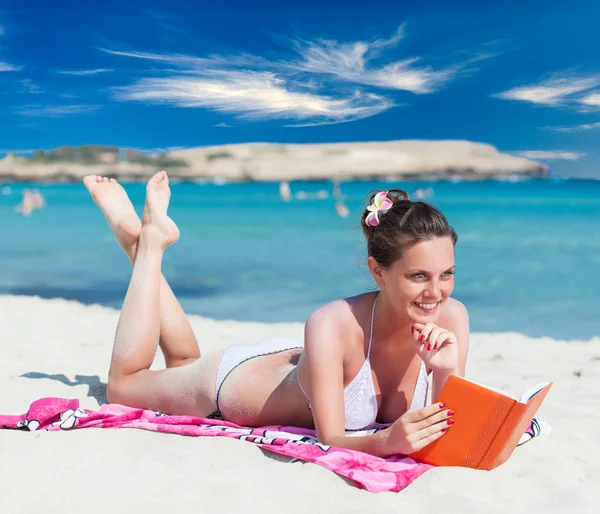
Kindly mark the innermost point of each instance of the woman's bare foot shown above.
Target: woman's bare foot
(118, 210)
(157, 227)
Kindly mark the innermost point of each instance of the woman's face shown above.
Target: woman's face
(421, 281)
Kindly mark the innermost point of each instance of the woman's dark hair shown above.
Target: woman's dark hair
(403, 225)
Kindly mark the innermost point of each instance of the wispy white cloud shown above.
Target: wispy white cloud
(55, 111)
(4, 66)
(252, 96)
(173, 59)
(551, 155)
(196, 65)
(326, 82)
(592, 100)
(28, 87)
(555, 91)
(85, 72)
(577, 128)
(355, 62)
(223, 125)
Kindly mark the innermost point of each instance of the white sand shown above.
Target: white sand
(138, 471)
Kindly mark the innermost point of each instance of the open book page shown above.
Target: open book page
(525, 397)
(532, 391)
(499, 391)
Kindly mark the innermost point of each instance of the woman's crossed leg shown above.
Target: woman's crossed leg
(177, 339)
(186, 388)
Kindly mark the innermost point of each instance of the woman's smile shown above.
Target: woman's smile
(427, 307)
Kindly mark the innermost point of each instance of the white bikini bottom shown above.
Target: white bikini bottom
(240, 353)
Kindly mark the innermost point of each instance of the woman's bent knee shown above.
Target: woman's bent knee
(129, 390)
(115, 392)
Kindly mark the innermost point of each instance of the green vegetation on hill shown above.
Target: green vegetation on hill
(100, 154)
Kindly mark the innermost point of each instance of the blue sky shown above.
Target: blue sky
(523, 76)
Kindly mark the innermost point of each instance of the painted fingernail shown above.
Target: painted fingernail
(435, 347)
(429, 347)
(422, 338)
(450, 421)
(442, 405)
(444, 429)
(450, 413)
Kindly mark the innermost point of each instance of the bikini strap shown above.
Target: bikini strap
(371, 334)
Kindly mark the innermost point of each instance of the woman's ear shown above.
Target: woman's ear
(376, 271)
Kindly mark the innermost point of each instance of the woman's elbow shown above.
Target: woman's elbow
(330, 439)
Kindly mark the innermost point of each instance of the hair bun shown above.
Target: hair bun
(380, 202)
(396, 195)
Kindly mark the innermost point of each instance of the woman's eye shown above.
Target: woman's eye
(419, 276)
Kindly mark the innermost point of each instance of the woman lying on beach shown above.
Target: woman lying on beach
(364, 360)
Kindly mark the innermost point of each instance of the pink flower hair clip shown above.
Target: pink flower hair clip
(380, 205)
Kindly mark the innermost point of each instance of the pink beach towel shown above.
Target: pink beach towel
(371, 473)
(374, 474)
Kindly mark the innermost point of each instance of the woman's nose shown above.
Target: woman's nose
(434, 290)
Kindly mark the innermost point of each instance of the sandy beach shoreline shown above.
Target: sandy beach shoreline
(62, 348)
(403, 159)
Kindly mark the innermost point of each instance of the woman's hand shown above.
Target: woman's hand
(417, 428)
(437, 347)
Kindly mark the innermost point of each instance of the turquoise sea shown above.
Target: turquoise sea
(528, 256)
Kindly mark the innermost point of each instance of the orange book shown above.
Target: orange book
(488, 424)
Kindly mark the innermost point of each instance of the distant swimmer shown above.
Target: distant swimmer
(32, 199)
(320, 195)
(423, 193)
(27, 203)
(284, 191)
(37, 199)
(341, 209)
(337, 190)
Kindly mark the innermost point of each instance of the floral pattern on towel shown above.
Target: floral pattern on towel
(372, 473)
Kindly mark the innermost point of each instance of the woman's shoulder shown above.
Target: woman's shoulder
(341, 316)
(454, 315)
(344, 309)
(455, 307)
(337, 312)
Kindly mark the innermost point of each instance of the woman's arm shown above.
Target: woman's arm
(374, 444)
(321, 369)
(457, 322)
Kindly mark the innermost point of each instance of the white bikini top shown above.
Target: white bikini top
(360, 399)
